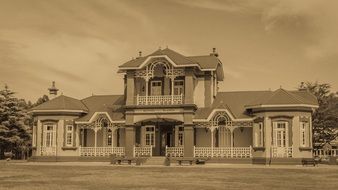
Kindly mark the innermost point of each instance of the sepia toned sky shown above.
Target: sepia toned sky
(80, 43)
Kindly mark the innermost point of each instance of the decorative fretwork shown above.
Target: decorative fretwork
(222, 119)
(169, 71)
(101, 121)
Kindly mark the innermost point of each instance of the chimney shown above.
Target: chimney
(140, 53)
(214, 53)
(53, 91)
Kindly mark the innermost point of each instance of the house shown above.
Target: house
(171, 106)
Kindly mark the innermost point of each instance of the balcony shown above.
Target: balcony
(159, 100)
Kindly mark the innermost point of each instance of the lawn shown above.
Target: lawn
(104, 176)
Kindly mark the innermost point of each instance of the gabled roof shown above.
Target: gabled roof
(204, 62)
(111, 104)
(238, 102)
(61, 103)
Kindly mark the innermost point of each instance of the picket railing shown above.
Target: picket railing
(145, 151)
(159, 100)
(223, 152)
(325, 153)
(101, 151)
(174, 151)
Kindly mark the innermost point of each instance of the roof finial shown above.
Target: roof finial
(214, 53)
(53, 91)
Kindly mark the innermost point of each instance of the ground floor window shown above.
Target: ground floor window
(69, 135)
(109, 137)
(259, 135)
(304, 128)
(150, 135)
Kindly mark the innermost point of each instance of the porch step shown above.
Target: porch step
(155, 160)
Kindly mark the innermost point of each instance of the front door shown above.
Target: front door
(280, 136)
(166, 141)
(156, 88)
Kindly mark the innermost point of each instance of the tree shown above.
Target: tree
(15, 132)
(41, 100)
(325, 118)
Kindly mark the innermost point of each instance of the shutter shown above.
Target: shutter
(65, 134)
(290, 132)
(75, 135)
(273, 133)
(143, 132)
(54, 135)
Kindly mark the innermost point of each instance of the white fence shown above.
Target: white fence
(281, 152)
(101, 151)
(325, 153)
(159, 100)
(174, 151)
(48, 151)
(223, 152)
(145, 151)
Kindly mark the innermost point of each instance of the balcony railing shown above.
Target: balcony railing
(174, 151)
(281, 152)
(223, 152)
(101, 151)
(159, 100)
(146, 151)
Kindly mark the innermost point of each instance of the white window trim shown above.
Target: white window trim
(71, 132)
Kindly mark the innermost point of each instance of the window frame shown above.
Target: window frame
(150, 135)
(69, 135)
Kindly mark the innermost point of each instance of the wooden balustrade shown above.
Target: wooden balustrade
(174, 151)
(325, 153)
(101, 151)
(145, 151)
(223, 152)
(159, 100)
(282, 152)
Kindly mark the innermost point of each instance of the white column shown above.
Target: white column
(95, 140)
(212, 141)
(147, 81)
(231, 142)
(172, 89)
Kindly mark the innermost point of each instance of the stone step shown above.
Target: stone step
(158, 160)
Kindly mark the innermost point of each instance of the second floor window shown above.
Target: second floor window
(178, 87)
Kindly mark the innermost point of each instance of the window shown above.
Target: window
(69, 135)
(178, 87)
(109, 137)
(303, 127)
(180, 136)
(150, 135)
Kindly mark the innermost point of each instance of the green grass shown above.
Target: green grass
(100, 176)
